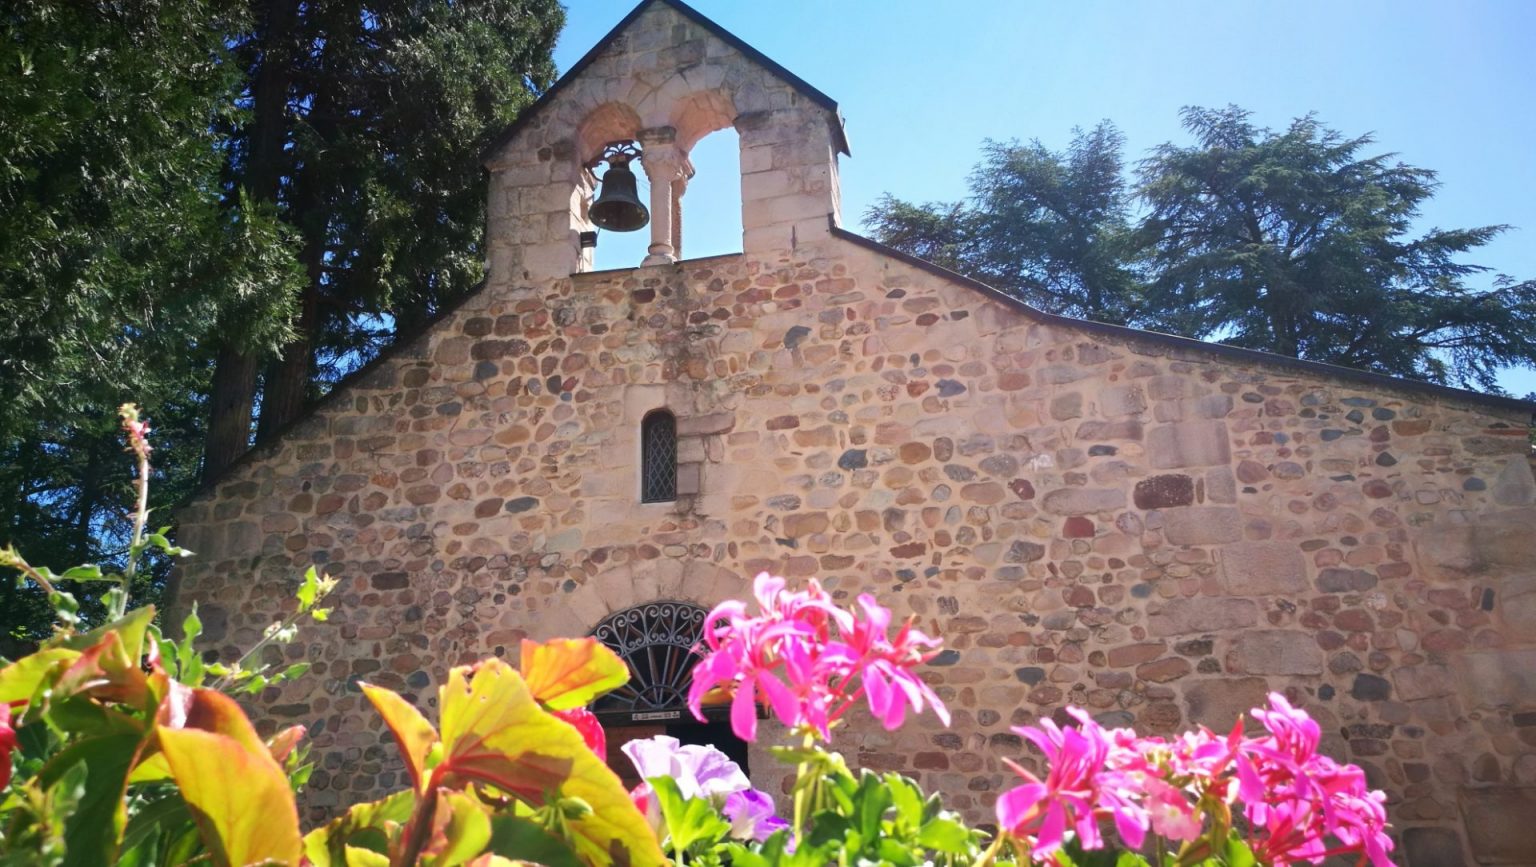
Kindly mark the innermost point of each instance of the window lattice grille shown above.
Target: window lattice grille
(658, 458)
(657, 642)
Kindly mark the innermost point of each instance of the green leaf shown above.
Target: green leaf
(1238, 853)
(131, 627)
(906, 798)
(20, 680)
(828, 828)
(86, 573)
(95, 826)
(870, 803)
(159, 540)
(308, 591)
(292, 672)
(523, 839)
(944, 835)
(357, 857)
(371, 825)
(153, 819)
(688, 820)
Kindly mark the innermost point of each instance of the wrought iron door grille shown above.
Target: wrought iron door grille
(657, 642)
(658, 457)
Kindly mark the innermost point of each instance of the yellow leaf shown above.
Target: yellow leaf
(20, 679)
(412, 731)
(326, 846)
(570, 672)
(495, 733)
(239, 797)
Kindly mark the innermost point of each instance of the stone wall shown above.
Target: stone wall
(1158, 533)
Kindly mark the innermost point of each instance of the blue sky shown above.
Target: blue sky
(1447, 86)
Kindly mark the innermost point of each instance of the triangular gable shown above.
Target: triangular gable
(799, 85)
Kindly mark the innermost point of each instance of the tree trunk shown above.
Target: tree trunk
(285, 390)
(234, 378)
(229, 411)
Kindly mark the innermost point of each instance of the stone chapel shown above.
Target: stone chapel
(1157, 529)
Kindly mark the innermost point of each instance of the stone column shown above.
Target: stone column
(664, 163)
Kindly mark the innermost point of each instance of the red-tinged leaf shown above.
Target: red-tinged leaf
(413, 733)
(239, 797)
(570, 672)
(107, 672)
(131, 627)
(19, 680)
(461, 828)
(494, 732)
(282, 744)
(209, 710)
(377, 824)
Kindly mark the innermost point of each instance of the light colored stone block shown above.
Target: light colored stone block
(1202, 614)
(1189, 444)
(1202, 525)
(1277, 651)
(1497, 678)
(1263, 568)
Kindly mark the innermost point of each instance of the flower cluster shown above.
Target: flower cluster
(1293, 798)
(811, 660)
(137, 430)
(701, 772)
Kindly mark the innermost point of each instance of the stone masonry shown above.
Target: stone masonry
(1154, 529)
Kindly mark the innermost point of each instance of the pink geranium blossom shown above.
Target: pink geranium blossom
(811, 660)
(1300, 806)
(1080, 787)
(7, 744)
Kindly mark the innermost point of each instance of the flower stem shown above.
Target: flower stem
(990, 854)
(135, 549)
(802, 805)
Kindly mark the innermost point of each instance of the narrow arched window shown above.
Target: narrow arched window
(658, 457)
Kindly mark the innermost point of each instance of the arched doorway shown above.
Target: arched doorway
(657, 640)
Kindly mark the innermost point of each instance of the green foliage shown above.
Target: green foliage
(1050, 228)
(119, 251)
(1295, 242)
(388, 105)
(1290, 241)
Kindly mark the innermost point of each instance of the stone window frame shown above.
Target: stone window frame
(657, 484)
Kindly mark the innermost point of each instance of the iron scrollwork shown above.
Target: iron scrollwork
(657, 641)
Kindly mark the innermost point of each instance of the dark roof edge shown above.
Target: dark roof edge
(310, 409)
(697, 17)
(1255, 356)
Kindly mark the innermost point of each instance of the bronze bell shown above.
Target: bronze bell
(618, 207)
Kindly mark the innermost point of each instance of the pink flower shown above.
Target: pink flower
(1296, 798)
(585, 722)
(889, 684)
(7, 744)
(811, 661)
(1080, 787)
(138, 431)
(1170, 812)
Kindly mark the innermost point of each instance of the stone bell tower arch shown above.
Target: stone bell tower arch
(664, 78)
